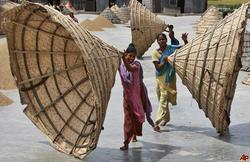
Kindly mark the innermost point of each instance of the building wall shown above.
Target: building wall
(195, 6)
(148, 4)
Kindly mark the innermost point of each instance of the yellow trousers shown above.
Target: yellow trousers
(163, 113)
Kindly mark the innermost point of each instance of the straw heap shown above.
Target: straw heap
(64, 75)
(209, 66)
(145, 26)
(103, 22)
(4, 101)
(90, 25)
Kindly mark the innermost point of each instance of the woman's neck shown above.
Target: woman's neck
(163, 48)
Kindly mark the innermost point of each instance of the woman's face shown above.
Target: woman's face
(130, 57)
(162, 41)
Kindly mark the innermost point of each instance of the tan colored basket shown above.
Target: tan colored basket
(64, 75)
(125, 12)
(111, 16)
(209, 66)
(210, 17)
(4, 7)
(145, 26)
(246, 52)
(118, 13)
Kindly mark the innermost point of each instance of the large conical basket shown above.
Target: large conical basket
(4, 6)
(210, 17)
(118, 13)
(125, 13)
(110, 15)
(209, 66)
(145, 26)
(246, 52)
(63, 73)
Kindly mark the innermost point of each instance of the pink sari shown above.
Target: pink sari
(132, 102)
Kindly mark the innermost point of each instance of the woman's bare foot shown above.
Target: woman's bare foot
(157, 128)
(163, 123)
(123, 148)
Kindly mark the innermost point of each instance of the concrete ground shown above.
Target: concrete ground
(189, 137)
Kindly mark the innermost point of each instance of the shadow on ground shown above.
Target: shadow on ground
(238, 134)
(147, 152)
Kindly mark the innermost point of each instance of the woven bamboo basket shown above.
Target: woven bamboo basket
(246, 52)
(4, 7)
(209, 66)
(116, 10)
(111, 16)
(210, 17)
(125, 13)
(144, 27)
(63, 73)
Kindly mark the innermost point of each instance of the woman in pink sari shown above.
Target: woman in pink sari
(135, 100)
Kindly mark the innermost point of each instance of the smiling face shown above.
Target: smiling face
(162, 41)
(130, 57)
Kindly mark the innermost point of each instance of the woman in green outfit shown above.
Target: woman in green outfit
(165, 79)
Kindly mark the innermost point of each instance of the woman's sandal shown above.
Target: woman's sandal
(134, 139)
(123, 148)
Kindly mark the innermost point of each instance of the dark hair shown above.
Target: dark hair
(161, 34)
(224, 14)
(131, 48)
(170, 26)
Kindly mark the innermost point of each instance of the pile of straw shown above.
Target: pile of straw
(103, 22)
(5, 101)
(90, 25)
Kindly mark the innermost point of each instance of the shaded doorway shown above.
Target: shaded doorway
(157, 6)
(90, 5)
(181, 4)
(112, 3)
